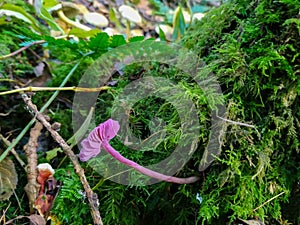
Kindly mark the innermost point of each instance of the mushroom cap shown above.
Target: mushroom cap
(102, 133)
(130, 14)
(45, 167)
(96, 19)
(70, 9)
(198, 16)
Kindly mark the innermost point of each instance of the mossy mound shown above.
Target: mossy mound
(253, 49)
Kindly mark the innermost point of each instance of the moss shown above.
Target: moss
(252, 48)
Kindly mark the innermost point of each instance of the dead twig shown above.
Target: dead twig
(21, 49)
(3, 213)
(91, 196)
(32, 187)
(271, 199)
(26, 47)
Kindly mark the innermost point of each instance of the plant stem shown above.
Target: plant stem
(35, 89)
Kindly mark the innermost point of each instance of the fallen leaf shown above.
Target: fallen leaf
(34, 218)
(38, 70)
(252, 222)
(43, 75)
(8, 179)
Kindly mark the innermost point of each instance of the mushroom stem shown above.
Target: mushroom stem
(108, 148)
(128, 29)
(71, 22)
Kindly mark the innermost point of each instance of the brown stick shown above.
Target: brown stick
(32, 187)
(21, 49)
(92, 197)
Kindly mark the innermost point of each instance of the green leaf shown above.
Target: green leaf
(83, 33)
(20, 13)
(49, 19)
(178, 24)
(47, 4)
(82, 130)
(136, 38)
(162, 35)
(100, 41)
(113, 17)
(117, 40)
(52, 153)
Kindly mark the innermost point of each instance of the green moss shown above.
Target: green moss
(253, 51)
(253, 48)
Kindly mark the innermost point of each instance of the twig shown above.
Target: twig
(236, 123)
(26, 47)
(23, 132)
(3, 214)
(21, 49)
(32, 187)
(240, 124)
(271, 199)
(6, 114)
(92, 197)
(35, 89)
(12, 81)
(13, 151)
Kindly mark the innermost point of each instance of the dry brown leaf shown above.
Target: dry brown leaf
(43, 75)
(34, 219)
(8, 179)
(252, 222)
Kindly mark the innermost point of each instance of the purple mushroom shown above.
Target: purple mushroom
(100, 137)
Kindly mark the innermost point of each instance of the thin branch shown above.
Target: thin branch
(271, 199)
(21, 49)
(239, 124)
(32, 187)
(92, 197)
(11, 80)
(26, 47)
(236, 123)
(35, 89)
(4, 212)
